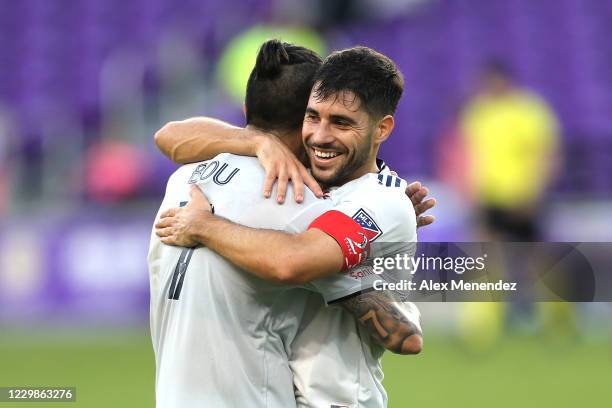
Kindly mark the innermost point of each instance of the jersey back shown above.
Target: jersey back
(214, 341)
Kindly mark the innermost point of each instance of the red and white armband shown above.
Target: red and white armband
(347, 233)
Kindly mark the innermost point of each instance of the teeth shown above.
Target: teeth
(325, 155)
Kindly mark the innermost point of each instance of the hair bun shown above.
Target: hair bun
(271, 56)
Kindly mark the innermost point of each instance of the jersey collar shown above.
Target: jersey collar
(382, 169)
(380, 163)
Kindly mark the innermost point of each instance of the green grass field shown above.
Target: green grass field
(117, 370)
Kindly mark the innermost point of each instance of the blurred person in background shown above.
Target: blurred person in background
(511, 139)
(115, 171)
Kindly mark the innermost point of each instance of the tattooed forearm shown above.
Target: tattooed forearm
(388, 321)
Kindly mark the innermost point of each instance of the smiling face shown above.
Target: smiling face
(339, 138)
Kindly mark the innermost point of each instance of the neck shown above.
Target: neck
(369, 166)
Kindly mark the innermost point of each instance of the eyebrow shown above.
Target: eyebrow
(311, 110)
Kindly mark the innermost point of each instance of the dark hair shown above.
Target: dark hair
(371, 76)
(279, 85)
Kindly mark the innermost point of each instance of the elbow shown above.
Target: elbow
(411, 345)
(163, 138)
(293, 264)
(161, 135)
(290, 276)
(288, 272)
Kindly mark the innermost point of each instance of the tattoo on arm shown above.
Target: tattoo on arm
(388, 320)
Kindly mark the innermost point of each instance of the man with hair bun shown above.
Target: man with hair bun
(268, 305)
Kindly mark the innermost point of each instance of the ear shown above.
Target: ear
(244, 109)
(383, 129)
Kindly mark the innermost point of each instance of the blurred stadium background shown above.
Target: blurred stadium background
(85, 84)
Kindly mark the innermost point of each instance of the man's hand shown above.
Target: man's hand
(174, 225)
(417, 194)
(282, 165)
(202, 138)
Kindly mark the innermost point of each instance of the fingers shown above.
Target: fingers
(312, 183)
(170, 236)
(412, 189)
(198, 199)
(163, 232)
(290, 171)
(424, 206)
(283, 181)
(171, 212)
(425, 220)
(298, 187)
(418, 197)
(169, 240)
(164, 222)
(195, 192)
(175, 240)
(271, 175)
(302, 177)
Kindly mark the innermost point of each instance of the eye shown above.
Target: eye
(342, 123)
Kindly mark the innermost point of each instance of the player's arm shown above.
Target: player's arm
(203, 138)
(395, 325)
(272, 255)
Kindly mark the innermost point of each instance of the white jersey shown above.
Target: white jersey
(215, 342)
(334, 360)
(222, 337)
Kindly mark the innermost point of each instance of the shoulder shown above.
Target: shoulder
(392, 209)
(182, 174)
(380, 191)
(237, 159)
(381, 205)
(245, 163)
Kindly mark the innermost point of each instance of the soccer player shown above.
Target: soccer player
(214, 340)
(346, 121)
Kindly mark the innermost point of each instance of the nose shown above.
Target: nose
(322, 134)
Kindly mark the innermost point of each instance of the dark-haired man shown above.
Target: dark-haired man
(342, 131)
(214, 341)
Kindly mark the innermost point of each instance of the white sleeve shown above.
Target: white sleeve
(307, 215)
(389, 220)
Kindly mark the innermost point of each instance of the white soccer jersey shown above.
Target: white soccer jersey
(334, 360)
(215, 342)
(221, 336)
